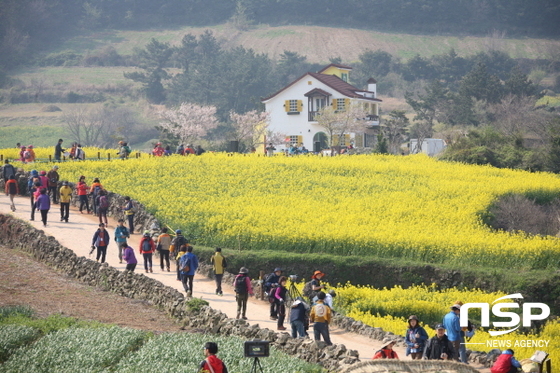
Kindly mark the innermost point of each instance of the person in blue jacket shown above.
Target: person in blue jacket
(453, 327)
(415, 338)
(187, 276)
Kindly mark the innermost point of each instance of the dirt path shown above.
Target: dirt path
(77, 235)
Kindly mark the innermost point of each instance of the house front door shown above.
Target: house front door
(320, 142)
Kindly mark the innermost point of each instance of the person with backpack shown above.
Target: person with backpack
(31, 188)
(79, 155)
(312, 288)
(52, 182)
(102, 202)
(188, 264)
(386, 352)
(270, 284)
(439, 347)
(415, 338)
(178, 241)
(321, 316)
(129, 257)
(212, 363)
(12, 190)
(506, 363)
(65, 199)
(121, 235)
(182, 250)
(243, 288)
(43, 205)
(147, 248)
(129, 211)
(163, 245)
(298, 318)
(219, 265)
(101, 241)
(44, 179)
(280, 293)
(95, 191)
(124, 150)
(8, 170)
(82, 190)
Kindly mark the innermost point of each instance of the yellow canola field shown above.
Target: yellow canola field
(410, 207)
(389, 309)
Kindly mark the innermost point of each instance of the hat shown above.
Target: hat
(457, 306)
(439, 326)
(317, 273)
(55, 167)
(243, 270)
(413, 317)
(277, 269)
(178, 231)
(43, 173)
(146, 233)
(332, 293)
(65, 183)
(30, 147)
(387, 342)
(34, 173)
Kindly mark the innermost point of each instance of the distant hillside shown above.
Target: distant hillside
(319, 44)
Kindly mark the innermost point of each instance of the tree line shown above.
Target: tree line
(27, 26)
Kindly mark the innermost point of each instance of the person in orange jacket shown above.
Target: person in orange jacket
(11, 190)
(147, 248)
(386, 352)
(82, 190)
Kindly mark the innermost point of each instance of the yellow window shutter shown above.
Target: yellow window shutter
(346, 103)
(346, 140)
(359, 140)
(299, 105)
(287, 105)
(299, 139)
(335, 104)
(335, 140)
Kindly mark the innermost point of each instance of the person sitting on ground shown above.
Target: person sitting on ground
(212, 363)
(386, 352)
(439, 347)
(415, 338)
(506, 363)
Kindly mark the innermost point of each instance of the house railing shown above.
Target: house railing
(313, 116)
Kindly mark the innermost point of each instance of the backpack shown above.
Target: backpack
(185, 265)
(240, 285)
(308, 290)
(103, 202)
(96, 190)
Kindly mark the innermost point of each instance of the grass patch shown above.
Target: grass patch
(44, 136)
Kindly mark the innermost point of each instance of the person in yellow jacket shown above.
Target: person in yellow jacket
(65, 199)
(182, 250)
(220, 264)
(321, 316)
(163, 245)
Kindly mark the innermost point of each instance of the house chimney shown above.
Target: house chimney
(372, 86)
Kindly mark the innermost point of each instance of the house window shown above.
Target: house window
(340, 104)
(293, 106)
(344, 76)
(295, 140)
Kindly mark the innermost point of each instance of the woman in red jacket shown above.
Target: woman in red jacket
(82, 190)
(147, 248)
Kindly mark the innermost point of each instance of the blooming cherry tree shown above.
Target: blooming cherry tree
(189, 122)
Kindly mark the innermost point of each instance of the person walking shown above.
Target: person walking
(12, 190)
(129, 257)
(65, 199)
(163, 245)
(147, 248)
(219, 265)
(58, 150)
(101, 241)
(439, 347)
(321, 316)
(31, 188)
(188, 264)
(129, 211)
(82, 190)
(415, 338)
(52, 182)
(298, 318)
(8, 170)
(453, 328)
(280, 293)
(43, 205)
(102, 203)
(121, 235)
(95, 192)
(243, 289)
(212, 363)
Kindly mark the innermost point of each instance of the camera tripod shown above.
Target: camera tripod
(256, 363)
(293, 292)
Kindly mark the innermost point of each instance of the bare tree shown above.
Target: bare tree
(86, 126)
(189, 122)
(394, 130)
(341, 122)
(249, 127)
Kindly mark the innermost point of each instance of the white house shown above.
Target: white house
(293, 109)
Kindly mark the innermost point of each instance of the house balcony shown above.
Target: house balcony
(312, 117)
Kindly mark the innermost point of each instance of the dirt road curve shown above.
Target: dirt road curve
(77, 235)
